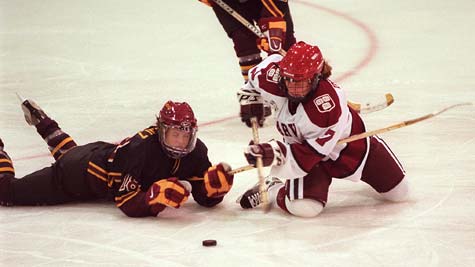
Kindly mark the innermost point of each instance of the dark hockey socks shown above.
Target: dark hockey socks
(58, 141)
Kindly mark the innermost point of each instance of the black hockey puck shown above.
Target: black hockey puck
(209, 243)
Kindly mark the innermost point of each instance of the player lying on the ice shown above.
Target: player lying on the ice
(312, 115)
(143, 174)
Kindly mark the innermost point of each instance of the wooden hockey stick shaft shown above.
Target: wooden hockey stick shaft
(241, 169)
(375, 132)
(260, 167)
(234, 171)
(399, 125)
(360, 108)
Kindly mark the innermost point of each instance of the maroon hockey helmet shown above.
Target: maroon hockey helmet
(302, 62)
(179, 116)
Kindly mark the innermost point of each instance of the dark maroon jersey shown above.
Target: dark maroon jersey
(137, 162)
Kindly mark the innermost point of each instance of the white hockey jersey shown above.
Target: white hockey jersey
(312, 129)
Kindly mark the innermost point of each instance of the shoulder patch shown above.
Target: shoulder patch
(272, 74)
(324, 103)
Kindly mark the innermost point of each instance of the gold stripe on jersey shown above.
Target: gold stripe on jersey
(151, 131)
(98, 172)
(121, 200)
(60, 145)
(147, 133)
(100, 177)
(7, 161)
(97, 167)
(7, 169)
(114, 177)
(272, 8)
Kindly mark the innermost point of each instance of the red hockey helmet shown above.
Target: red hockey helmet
(302, 62)
(179, 116)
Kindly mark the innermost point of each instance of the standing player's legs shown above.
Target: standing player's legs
(58, 141)
(306, 196)
(245, 41)
(384, 173)
(289, 33)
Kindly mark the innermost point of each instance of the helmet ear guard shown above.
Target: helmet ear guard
(178, 116)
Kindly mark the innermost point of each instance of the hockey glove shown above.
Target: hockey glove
(169, 192)
(217, 180)
(274, 30)
(251, 106)
(272, 153)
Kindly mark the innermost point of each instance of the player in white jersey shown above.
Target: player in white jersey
(312, 115)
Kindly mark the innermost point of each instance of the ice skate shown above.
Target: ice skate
(252, 197)
(33, 113)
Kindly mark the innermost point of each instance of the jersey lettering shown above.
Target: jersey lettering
(287, 130)
(293, 128)
(253, 73)
(147, 133)
(277, 125)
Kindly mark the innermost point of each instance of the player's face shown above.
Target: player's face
(177, 138)
(298, 89)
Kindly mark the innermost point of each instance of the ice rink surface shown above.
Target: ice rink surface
(104, 68)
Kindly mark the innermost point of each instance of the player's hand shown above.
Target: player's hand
(274, 29)
(169, 192)
(272, 153)
(207, 2)
(251, 106)
(217, 180)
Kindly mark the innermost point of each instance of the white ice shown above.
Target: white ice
(104, 68)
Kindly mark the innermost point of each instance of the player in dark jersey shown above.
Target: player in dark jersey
(273, 18)
(156, 168)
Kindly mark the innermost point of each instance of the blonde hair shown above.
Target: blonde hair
(326, 71)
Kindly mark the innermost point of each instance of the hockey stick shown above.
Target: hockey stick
(360, 108)
(237, 170)
(369, 107)
(241, 169)
(260, 168)
(244, 21)
(377, 131)
(399, 125)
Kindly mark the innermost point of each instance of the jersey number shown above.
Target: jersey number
(326, 137)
